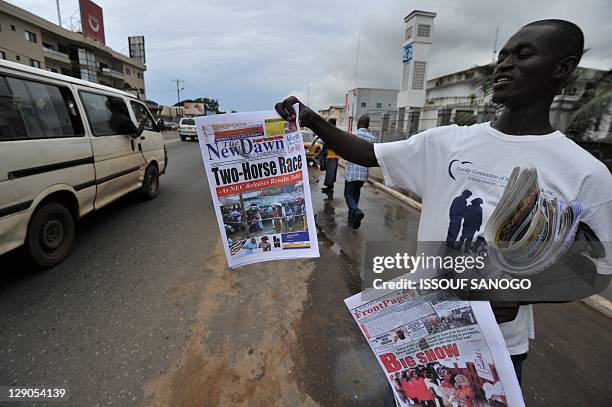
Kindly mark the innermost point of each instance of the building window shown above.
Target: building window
(141, 91)
(13, 28)
(363, 104)
(408, 33)
(52, 70)
(2, 55)
(34, 63)
(87, 58)
(17, 58)
(89, 75)
(139, 75)
(379, 105)
(30, 36)
(418, 78)
(36, 110)
(424, 30)
(405, 75)
(48, 46)
(127, 71)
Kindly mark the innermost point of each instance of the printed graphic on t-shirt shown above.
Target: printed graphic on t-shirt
(465, 219)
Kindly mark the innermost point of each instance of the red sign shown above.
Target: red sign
(235, 189)
(92, 20)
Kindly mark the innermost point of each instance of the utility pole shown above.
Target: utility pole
(178, 89)
(59, 16)
(357, 60)
(495, 43)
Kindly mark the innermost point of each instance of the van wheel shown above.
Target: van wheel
(150, 183)
(50, 235)
(183, 138)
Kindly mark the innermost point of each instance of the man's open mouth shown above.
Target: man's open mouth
(501, 80)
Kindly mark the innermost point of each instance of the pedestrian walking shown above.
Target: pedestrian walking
(355, 175)
(331, 166)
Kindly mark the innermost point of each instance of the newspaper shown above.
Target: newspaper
(258, 177)
(437, 350)
(528, 232)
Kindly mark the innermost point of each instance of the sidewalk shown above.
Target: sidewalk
(569, 362)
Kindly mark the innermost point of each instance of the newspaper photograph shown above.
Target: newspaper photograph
(436, 350)
(258, 177)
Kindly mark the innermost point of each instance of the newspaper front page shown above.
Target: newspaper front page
(437, 350)
(258, 177)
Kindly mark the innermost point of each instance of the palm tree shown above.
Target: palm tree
(591, 106)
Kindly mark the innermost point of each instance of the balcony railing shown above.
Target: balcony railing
(111, 72)
(55, 53)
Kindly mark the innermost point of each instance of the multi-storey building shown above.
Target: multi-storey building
(31, 40)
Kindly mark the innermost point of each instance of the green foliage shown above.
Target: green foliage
(591, 106)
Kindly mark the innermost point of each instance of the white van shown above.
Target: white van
(67, 147)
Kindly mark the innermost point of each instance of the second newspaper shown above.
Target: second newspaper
(257, 172)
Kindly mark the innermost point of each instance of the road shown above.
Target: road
(145, 312)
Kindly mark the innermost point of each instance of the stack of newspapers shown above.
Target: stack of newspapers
(527, 232)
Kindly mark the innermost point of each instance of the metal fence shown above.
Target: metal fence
(403, 125)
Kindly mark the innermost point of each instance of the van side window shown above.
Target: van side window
(108, 115)
(34, 110)
(142, 113)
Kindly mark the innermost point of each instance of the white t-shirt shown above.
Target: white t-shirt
(440, 163)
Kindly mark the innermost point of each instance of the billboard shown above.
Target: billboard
(194, 109)
(137, 48)
(92, 20)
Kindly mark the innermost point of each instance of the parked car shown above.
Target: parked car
(311, 145)
(170, 125)
(68, 147)
(187, 129)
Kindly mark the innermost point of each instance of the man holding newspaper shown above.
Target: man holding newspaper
(531, 68)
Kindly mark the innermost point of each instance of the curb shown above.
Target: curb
(597, 302)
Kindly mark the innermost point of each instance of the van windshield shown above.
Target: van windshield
(188, 122)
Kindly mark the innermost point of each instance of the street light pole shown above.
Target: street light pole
(178, 90)
(59, 16)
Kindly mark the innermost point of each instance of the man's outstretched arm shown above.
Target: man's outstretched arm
(347, 145)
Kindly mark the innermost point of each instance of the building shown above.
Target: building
(28, 39)
(418, 34)
(379, 104)
(337, 112)
(458, 97)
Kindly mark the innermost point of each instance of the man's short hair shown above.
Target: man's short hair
(363, 122)
(568, 34)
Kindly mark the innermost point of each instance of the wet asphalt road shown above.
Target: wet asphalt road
(145, 312)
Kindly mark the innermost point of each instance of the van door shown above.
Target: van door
(117, 159)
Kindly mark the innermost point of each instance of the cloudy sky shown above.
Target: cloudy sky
(251, 55)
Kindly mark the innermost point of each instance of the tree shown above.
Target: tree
(211, 105)
(151, 102)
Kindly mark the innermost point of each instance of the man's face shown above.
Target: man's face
(526, 67)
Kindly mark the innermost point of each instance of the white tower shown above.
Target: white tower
(415, 58)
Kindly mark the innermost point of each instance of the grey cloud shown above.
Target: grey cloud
(250, 54)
